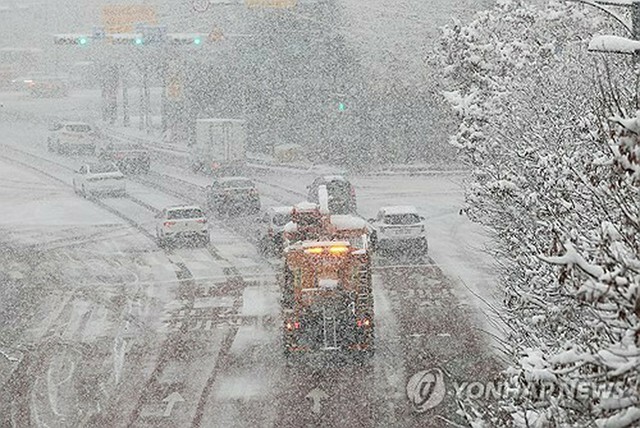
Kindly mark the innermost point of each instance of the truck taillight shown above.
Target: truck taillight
(292, 325)
(215, 165)
(201, 220)
(364, 322)
(169, 223)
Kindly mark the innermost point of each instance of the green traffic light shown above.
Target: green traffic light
(82, 40)
(138, 41)
(342, 107)
(197, 40)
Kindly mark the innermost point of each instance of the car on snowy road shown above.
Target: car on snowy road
(273, 222)
(182, 222)
(72, 137)
(233, 195)
(130, 157)
(99, 178)
(399, 228)
(341, 193)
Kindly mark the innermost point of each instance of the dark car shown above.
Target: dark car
(129, 157)
(341, 194)
(273, 223)
(233, 195)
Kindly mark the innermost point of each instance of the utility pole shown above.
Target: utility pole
(125, 98)
(635, 19)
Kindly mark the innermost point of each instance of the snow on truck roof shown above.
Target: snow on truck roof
(305, 205)
(334, 177)
(291, 227)
(281, 210)
(399, 209)
(347, 222)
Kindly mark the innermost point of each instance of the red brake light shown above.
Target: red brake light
(215, 165)
(292, 325)
(169, 223)
(201, 220)
(364, 322)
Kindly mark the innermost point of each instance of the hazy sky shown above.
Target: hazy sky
(383, 32)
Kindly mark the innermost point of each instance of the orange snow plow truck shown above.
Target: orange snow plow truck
(327, 299)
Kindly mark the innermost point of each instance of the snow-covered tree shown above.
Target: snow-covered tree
(551, 134)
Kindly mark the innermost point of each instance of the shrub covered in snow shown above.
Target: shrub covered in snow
(553, 141)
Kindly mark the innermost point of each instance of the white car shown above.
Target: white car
(400, 227)
(95, 178)
(72, 137)
(175, 222)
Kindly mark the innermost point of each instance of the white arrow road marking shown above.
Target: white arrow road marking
(171, 401)
(208, 325)
(317, 395)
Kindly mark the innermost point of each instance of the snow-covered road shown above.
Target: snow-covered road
(130, 334)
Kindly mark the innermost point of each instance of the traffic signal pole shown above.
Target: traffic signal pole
(635, 19)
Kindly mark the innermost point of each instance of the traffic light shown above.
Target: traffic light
(135, 39)
(185, 39)
(71, 39)
(339, 101)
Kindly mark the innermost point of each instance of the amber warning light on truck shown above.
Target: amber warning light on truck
(335, 250)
